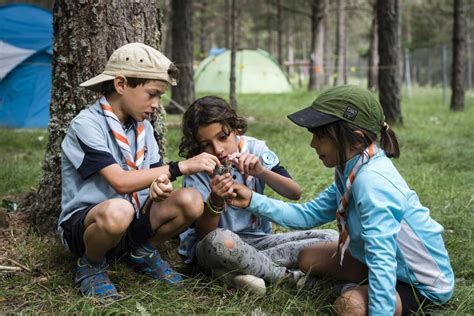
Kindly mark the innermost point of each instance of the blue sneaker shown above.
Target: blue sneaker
(93, 280)
(147, 260)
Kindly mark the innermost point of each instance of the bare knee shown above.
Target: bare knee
(190, 202)
(221, 239)
(116, 216)
(352, 302)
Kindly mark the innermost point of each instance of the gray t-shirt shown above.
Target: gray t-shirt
(90, 146)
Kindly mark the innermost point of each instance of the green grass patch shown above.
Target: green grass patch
(436, 160)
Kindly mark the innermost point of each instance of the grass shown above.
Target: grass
(436, 161)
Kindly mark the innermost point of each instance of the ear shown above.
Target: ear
(120, 82)
(359, 133)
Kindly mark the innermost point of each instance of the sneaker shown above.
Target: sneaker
(247, 282)
(148, 260)
(250, 283)
(93, 280)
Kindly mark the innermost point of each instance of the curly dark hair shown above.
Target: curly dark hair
(202, 112)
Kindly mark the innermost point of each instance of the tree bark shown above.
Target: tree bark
(389, 54)
(328, 51)
(270, 26)
(227, 15)
(182, 52)
(372, 71)
(233, 49)
(86, 33)
(280, 33)
(203, 29)
(459, 56)
(316, 71)
(340, 39)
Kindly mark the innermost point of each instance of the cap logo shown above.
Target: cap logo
(350, 113)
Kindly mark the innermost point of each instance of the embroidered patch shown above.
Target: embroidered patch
(269, 158)
(350, 113)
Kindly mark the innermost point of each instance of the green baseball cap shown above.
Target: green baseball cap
(350, 103)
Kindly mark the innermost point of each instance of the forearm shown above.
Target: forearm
(128, 181)
(289, 215)
(209, 220)
(284, 186)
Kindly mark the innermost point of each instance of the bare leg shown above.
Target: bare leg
(356, 301)
(318, 260)
(104, 225)
(174, 214)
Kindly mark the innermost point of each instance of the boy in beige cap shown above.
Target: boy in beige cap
(117, 195)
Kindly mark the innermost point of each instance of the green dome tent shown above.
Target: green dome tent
(256, 72)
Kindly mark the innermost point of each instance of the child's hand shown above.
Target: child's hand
(222, 187)
(247, 163)
(161, 188)
(203, 162)
(242, 196)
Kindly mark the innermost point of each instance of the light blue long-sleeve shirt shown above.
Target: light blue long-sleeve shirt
(390, 231)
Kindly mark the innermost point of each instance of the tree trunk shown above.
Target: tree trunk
(389, 54)
(328, 51)
(459, 56)
(227, 14)
(280, 33)
(86, 32)
(182, 51)
(372, 71)
(340, 39)
(469, 54)
(270, 27)
(316, 69)
(203, 29)
(233, 47)
(167, 38)
(345, 62)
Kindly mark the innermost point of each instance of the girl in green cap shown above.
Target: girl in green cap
(389, 247)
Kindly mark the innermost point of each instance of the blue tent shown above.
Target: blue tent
(26, 34)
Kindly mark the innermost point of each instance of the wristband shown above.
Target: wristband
(174, 170)
(212, 209)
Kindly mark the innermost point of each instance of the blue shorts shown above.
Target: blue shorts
(137, 234)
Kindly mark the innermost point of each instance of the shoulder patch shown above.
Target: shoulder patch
(269, 158)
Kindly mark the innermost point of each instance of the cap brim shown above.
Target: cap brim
(311, 118)
(95, 84)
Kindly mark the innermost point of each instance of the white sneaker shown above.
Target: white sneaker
(250, 283)
(247, 282)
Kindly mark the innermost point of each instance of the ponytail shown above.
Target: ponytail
(389, 142)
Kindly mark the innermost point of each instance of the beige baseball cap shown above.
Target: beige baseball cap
(134, 60)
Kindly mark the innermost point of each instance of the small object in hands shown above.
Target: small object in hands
(226, 167)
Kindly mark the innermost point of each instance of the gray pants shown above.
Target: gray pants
(266, 257)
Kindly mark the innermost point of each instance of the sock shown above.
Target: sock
(144, 250)
(85, 260)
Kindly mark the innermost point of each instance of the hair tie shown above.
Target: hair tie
(385, 127)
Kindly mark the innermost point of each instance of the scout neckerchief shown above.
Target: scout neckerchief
(133, 163)
(341, 214)
(249, 180)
